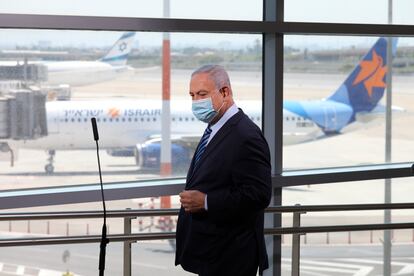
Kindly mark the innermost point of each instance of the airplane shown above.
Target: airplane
(133, 127)
(78, 72)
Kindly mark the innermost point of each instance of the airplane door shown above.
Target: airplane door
(53, 124)
(330, 118)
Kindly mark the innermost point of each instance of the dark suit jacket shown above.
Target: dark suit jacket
(234, 172)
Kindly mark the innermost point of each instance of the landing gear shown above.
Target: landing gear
(49, 168)
(4, 147)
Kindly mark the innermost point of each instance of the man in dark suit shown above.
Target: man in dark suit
(220, 225)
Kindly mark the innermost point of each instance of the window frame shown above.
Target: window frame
(273, 28)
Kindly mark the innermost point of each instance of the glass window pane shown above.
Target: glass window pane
(148, 257)
(116, 78)
(335, 96)
(348, 11)
(214, 9)
(338, 252)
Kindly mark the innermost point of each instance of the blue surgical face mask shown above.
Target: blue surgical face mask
(204, 110)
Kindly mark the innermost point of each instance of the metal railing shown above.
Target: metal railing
(127, 238)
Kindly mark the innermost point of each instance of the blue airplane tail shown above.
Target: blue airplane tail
(365, 86)
(118, 54)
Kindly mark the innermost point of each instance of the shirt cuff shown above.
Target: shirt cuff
(205, 203)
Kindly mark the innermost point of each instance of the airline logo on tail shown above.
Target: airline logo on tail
(122, 47)
(118, 54)
(359, 93)
(365, 86)
(372, 73)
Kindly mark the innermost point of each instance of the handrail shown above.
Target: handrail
(85, 193)
(173, 212)
(88, 214)
(338, 207)
(127, 238)
(171, 235)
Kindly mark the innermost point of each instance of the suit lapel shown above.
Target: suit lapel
(223, 132)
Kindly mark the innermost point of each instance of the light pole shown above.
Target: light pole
(388, 128)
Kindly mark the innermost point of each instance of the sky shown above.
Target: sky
(342, 11)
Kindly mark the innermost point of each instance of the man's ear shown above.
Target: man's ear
(225, 91)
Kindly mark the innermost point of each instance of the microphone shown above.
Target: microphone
(95, 129)
(104, 239)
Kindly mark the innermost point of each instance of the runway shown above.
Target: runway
(363, 146)
(157, 258)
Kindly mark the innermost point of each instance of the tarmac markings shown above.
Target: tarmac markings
(350, 266)
(20, 270)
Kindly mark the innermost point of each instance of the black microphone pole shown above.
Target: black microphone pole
(104, 239)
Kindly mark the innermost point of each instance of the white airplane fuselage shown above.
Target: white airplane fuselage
(128, 123)
(77, 73)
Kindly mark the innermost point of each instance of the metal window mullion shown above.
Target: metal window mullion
(272, 119)
(31, 21)
(345, 174)
(305, 28)
(67, 22)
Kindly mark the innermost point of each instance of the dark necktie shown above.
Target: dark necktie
(202, 145)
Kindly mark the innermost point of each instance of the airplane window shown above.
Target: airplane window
(180, 119)
(79, 120)
(258, 118)
(72, 120)
(154, 119)
(173, 119)
(148, 119)
(104, 119)
(186, 119)
(116, 120)
(98, 120)
(66, 120)
(85, 120)
(123, 119)
(110, 119)
(129, 119)
(142, 119)
(192, 119)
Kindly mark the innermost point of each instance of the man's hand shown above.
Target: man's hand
(192, 201)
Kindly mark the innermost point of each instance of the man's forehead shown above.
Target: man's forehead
(201, 77)
(201, 80)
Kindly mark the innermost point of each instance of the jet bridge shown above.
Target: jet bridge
(22, 110)
(23, 115)
(29, 73)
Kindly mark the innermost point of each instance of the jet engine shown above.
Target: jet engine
(148, 155)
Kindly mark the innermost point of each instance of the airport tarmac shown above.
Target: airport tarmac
(363, 146)
(158, 259)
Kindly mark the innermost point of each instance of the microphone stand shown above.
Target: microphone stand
(104, 239)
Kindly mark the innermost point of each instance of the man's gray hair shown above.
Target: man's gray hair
(217, 73)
